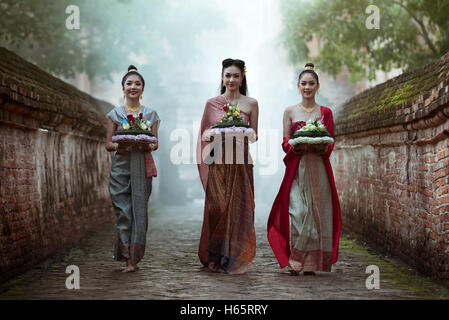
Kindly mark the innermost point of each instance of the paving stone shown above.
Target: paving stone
(171, 270)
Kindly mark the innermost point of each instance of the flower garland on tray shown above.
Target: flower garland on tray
(134, 130)
(313, 132)
(231, 122)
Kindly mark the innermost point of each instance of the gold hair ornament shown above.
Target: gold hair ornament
(132, 70)
(308, 68)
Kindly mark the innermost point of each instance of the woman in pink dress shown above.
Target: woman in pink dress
(228, 241)
(305, 222)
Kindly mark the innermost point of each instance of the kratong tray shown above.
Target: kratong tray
(231, 124)
(311, 140)
(133, 132)
(312, 134)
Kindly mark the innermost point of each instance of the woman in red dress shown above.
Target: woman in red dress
(305, 222)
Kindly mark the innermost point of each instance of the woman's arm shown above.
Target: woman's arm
(154, 129)
(110, 129)
(287, 123)
(326, 149)
(330, 128)
(254, 117)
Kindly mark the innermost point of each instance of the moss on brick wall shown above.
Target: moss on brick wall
(396, 101)
(391, 166)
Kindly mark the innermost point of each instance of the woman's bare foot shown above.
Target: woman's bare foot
(293, 272)
(129, 269)
(212, 266)
(309, 273)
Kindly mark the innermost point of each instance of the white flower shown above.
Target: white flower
(126, 126)
(143, 126)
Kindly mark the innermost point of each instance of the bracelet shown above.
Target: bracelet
(115, 147)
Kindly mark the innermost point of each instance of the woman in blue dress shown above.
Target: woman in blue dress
(132, 171)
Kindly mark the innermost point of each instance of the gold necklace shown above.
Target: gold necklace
(309, 111)
(237, 102)
(131, 110)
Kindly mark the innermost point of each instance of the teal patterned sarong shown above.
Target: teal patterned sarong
(130, 191)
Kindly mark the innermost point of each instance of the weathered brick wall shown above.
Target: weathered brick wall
(54, 170)
(391, 165)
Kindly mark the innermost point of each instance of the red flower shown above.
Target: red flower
(301, 124)
(226, 109)
(140, 115)
(130, 117)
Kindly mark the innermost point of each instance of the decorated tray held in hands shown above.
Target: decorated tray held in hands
(314, 132)
(231, 123)
(134, 130)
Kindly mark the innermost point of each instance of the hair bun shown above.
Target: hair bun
(226, 61)
(309, 66)
(240, 62)
(131, 67)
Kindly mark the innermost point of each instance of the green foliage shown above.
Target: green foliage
(134, 132)
(160, 37)
(110, 30)
(412, 33)
(229, 124)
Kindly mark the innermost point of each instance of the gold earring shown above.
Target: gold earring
(124, 96)
(141, 97)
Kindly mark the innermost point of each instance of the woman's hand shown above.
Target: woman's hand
(141, 146)
(154, 146)
(301, 148)
(123, 149)
(320, 148)
(145, 147)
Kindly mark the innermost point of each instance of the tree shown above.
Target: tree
(412, 33)
(110, 31)
(161, 33)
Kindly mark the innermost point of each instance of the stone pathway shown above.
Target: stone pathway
(171, 270)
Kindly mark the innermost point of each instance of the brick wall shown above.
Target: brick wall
(391, 165)
(54, 170)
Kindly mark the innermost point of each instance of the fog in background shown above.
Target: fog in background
(182, 70)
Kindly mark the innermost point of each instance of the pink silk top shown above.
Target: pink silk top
(212, 114)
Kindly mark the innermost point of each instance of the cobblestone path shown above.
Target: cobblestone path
(171, 270)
